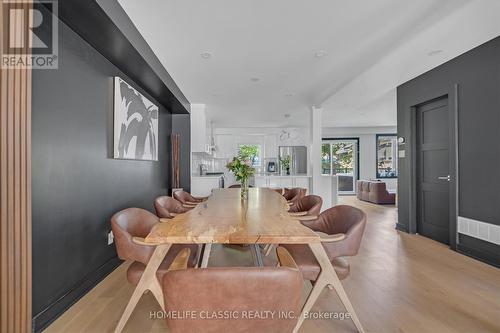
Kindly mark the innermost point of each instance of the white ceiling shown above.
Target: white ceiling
(371, 47)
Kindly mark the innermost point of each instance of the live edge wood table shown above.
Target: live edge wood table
(225, 219)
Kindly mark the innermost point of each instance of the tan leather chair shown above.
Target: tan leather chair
(168, 207)
(341, 229)
(238, 291)
(187, 199)
(130, 226)
(294, 194)
(307, 208)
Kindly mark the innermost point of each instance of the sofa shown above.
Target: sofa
(374, 192)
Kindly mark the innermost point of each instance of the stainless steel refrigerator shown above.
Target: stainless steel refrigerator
(298, 156)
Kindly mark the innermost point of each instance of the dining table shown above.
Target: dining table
(261, 218)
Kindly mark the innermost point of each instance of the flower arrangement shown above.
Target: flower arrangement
(243, 170)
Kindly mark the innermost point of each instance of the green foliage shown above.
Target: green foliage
(248, 152)
(285, 161)
(242, 168)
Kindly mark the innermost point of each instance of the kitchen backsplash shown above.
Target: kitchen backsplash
(213, 164)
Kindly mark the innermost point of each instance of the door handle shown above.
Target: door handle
(447, 178)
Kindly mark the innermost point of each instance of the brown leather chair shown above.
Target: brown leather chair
(307, 208)
(130, 226)
(249, 290)
(168, 207)
(187, 199)
(294, 194)
(341, 229)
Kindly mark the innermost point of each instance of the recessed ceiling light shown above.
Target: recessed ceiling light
(287, 115)
(206, 55)
(434, 52)
(320, 53)
(254, 79)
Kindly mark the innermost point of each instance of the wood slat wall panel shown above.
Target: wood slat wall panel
(15, 191)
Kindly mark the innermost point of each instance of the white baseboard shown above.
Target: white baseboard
(477, 229)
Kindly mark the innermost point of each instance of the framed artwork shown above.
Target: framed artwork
(135, 124)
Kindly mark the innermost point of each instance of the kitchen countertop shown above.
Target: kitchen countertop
(281, 176)
(206, 176)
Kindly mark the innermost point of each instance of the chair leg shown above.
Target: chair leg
(268, 249)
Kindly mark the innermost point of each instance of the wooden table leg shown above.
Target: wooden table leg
(326, 277)
(257, 255)
(148, 281)
(206, 255)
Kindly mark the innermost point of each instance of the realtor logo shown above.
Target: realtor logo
(30, 34)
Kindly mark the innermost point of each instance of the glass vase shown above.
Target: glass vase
(244, 189)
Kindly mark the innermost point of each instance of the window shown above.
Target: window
(340, 157)
(252, 152)
(387, 156)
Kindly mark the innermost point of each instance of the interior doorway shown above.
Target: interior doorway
(433, 169)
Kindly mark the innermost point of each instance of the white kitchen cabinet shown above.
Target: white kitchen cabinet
(226, 147)
(271, 148)
(203, 186)
(301, 182)
(260, 182)
(199, 133)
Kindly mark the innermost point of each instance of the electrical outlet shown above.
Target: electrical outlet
(111, 238)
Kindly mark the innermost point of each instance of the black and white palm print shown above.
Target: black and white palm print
(136, 124)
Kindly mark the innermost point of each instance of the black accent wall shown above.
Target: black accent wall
(477, 76)
(77, 185)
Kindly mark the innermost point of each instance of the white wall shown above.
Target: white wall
(268, 137)
(367, 153)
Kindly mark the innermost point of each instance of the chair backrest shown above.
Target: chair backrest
(128, 223)
(235, 186)
(310, 204)
(293, 194)
(240, 292)
(341, 219)
(184, 197)
(165, 205)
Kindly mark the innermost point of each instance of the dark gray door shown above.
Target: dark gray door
(433, 170)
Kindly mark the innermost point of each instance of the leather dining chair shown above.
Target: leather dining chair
(293, 194)
(187, 199)
(341, 230)
(307, 208)
(236, 290)
(168, 207)
(130, 226)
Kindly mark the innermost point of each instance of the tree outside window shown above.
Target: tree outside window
(251, 152)
(387, 156)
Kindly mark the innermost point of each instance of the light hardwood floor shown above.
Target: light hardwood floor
(398, 283)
